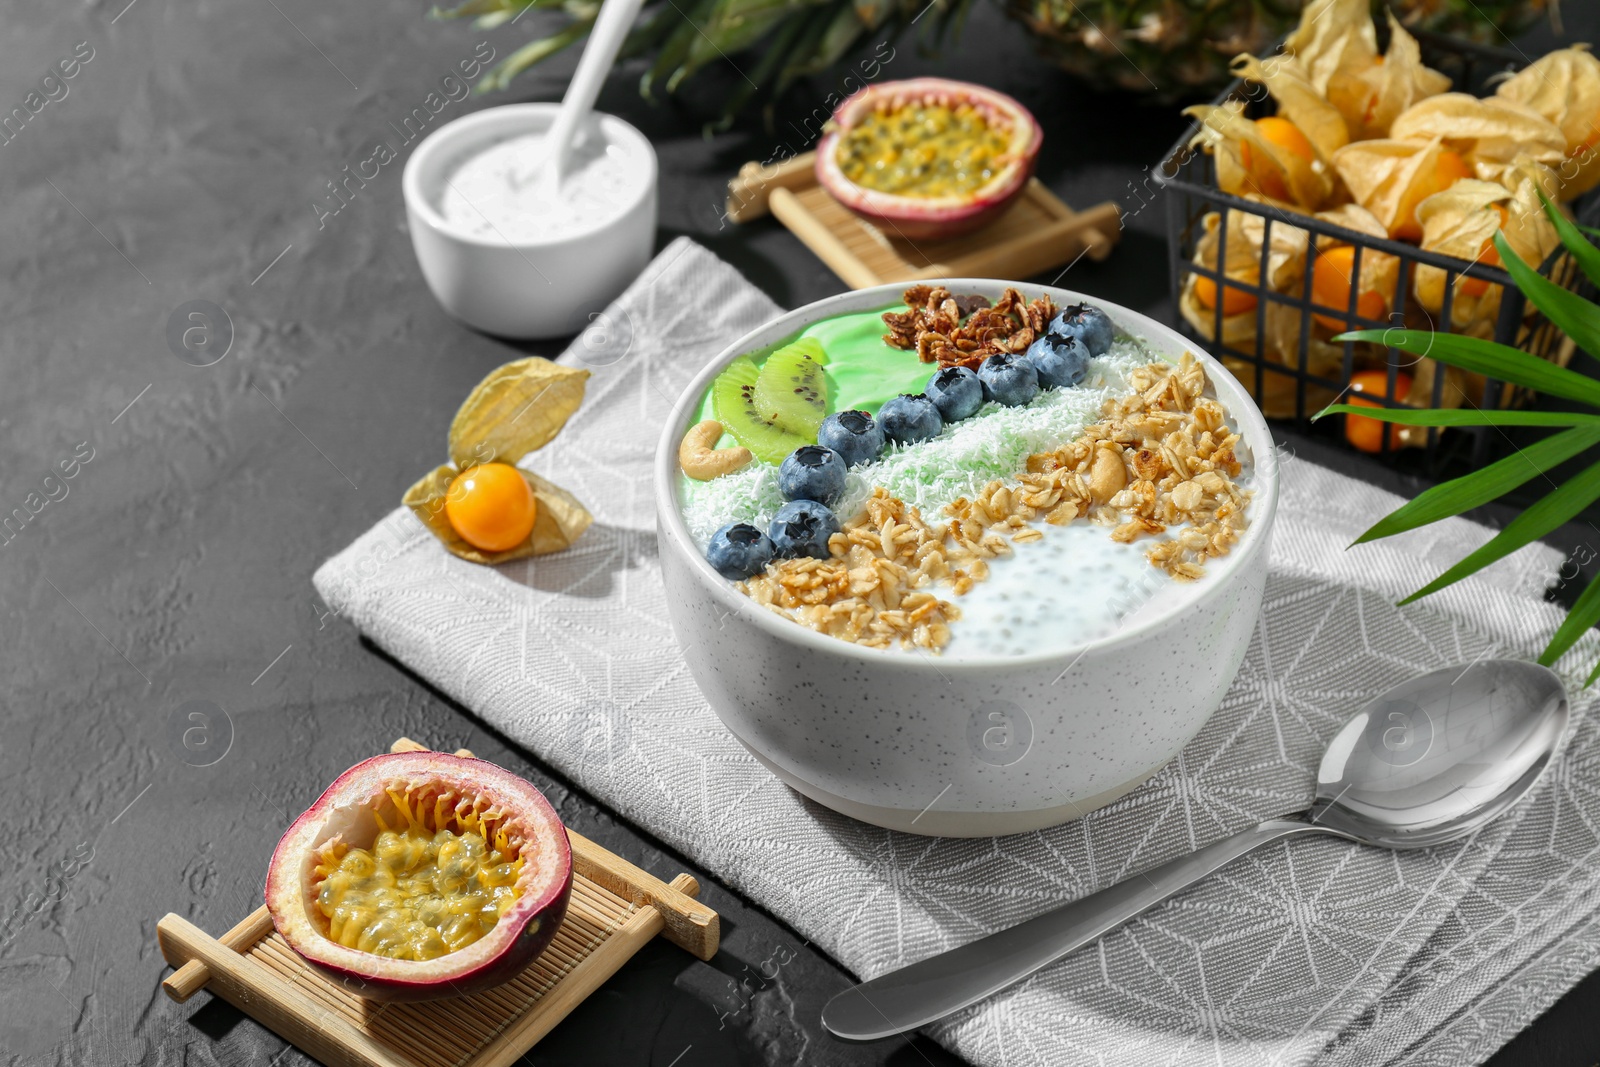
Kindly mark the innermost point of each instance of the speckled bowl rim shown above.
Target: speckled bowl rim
(451, 133)
(1241, 409)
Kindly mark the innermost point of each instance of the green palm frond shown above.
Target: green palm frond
(1579, 432)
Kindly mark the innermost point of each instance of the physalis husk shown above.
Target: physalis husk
(519, 408)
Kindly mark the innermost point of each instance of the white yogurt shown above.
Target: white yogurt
(494, 192)
(1075, 586)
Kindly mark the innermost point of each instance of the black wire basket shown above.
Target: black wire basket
(1287, 383)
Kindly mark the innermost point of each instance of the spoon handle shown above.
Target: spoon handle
(933, 988)
(610, 30)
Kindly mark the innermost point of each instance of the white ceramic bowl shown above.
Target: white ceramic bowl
(965, 747)
(525, 289)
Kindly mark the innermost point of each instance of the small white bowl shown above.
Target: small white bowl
(547, 288)
(970, 746)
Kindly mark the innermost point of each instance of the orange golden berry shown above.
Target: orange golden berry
(1234, 300)
(1281, 134)
(491, 507)
(1448, 169)
(1331, 279)
(1488, 255)
(1367, 434)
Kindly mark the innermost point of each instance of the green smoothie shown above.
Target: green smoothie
(862, 371)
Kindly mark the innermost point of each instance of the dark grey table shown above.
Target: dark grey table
(186, 161)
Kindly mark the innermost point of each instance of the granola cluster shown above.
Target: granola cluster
(874, 591)
(1161, 459)
(933, 325)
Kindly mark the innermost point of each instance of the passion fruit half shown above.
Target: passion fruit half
(420, 875)
(928, 157)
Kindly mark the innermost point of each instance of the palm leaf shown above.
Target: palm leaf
(1584, 614)
(1460, 416)
(1481, 486)
(1550, 511)
(1571, 313)
(1489, 358)
(1586, 254)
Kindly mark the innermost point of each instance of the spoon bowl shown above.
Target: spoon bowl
(1438, 756)
(1429, 761)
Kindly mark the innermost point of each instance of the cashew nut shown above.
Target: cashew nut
(1107, 475)
(700, 457)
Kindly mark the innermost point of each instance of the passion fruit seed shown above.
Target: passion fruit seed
(923, 149)
(417, 895)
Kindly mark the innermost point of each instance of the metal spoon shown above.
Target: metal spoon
(1427, 762)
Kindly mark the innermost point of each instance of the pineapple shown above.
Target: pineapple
(1182, 48)
(1170, 48)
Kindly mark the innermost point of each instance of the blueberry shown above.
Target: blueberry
(852, 434)
(802, 528)
(1059, 362)
(739, 550)
(956, 392)
(1088, 324)
(1008, 379)
(909, 418)
(812, 472)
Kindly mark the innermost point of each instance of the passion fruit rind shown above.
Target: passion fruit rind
(918, 217)
(433, 791)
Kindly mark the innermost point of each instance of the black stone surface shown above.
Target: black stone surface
(182, 165)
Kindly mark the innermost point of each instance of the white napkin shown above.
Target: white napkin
(1311, 951)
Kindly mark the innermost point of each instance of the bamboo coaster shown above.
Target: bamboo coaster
(614, 910)
(1038, 232)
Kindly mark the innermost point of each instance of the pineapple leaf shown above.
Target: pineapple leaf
(492, 21)
(1489, 358)
(1550, 511)
(1481, 486)
(731, 26)
(872, 13)
(1571, 313)
(1585, 253)
(797, 62)
(776, 50)
(673, 52)
(1584, 614)
(533, 52)
(478, 7)
(843, 32)
(1461, 416)
(647, 32)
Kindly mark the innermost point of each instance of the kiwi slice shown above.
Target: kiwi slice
(733, 395)
(791, 389)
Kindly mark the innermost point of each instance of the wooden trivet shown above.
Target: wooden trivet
(1038, 232)
(614, 910)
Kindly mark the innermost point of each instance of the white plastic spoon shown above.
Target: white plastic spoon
(610, 29)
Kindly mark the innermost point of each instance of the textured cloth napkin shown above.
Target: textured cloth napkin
(1310, 951)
